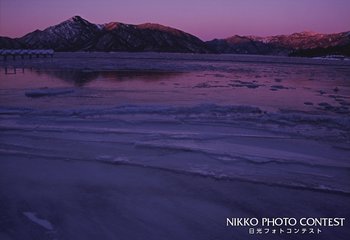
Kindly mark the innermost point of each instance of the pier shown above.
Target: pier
(25, 53)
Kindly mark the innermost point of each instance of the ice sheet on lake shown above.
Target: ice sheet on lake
(123, 148)
(32, 216)
(291, 149)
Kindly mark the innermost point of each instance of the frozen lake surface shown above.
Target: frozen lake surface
(168, 146)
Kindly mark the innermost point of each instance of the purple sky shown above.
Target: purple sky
(206, 19)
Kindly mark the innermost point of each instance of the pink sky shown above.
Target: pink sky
(206, 19)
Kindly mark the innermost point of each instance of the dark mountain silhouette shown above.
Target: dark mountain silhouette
(78, 34)
(10, 43)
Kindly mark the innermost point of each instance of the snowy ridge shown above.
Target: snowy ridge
(78, 34)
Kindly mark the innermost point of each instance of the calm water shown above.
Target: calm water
(271, 87)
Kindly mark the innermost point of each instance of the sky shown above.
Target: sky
(207, 19)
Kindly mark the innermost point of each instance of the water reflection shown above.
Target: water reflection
(80, 78)
(12, 70)
(77, 78)
(309, 88)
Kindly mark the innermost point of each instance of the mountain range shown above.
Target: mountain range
(78, 34)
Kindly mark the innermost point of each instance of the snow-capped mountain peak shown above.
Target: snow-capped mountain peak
(78, 34)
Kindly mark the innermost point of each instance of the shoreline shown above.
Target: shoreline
(157, 61)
